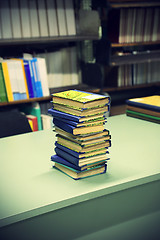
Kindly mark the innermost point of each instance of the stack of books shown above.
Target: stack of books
(82, 140)
(146, 108)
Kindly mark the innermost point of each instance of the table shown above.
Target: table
(37, 201)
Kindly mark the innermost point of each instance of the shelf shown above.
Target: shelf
(148, 56)
(47, 40)
(121, 45)
(30, 100)
(131, 3)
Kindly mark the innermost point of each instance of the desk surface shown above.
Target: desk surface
(30, 187)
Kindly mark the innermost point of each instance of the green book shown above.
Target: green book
(3, 92)
(143, 116)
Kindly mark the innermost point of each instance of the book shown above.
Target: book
(5, 20)
(30, 84)
(79, 174)
(143, 116)
(71, 117)
(46, 121)
(63, 161)
(79, 130)
(143, 110)
(84, 137)
(149, 102)
(62, 28)
(52, 18)
(82, 154)
(15, 19)
(82, 147)
(36, 77)
(80, 99)
(83, 124)
(42, 70)
(7, 81)
(34, 121)
(42, 16)
(25, 20)
(86, 142)
(34, 110)
(33, 14)
(70, 17)
(81, 112)
(81, 161)
(3, 92)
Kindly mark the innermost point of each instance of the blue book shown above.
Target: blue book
(36, 77)
(80, 155)
(81, 124)
(77, 172)
(67, 116)
(31, 79)
(77, 130)
(83, 161)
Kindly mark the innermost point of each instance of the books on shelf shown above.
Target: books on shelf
(135, 74)
(33, 122)
(82, 142)
(135, 24)
(146, 108)
(33, 19)
(25, 78)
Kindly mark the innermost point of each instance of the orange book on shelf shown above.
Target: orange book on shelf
(7, 82)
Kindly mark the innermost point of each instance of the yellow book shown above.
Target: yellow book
(7, 82)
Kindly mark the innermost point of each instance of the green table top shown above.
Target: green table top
(29, 186)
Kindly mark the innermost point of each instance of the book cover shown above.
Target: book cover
(63, 161)
(36, 77)
(81, 161)
(143, 110)
(143, 116)
(84, 137)
(42, 16)
(80, 99)
(42, 69)
(149, 102)
(52, 18)
(30, 77)
(3, 92)
(94, 140)
(33, 14)
(25, 21)
(81, 112)
(7, 82)
(81, 155)
(34, 121)
(83, 124)
(70, 17)
(62, 28)
(77, 130)
(5, 20)
(15, 19)
(34, 110)
(67, 116)
(76, 174)
(82, 147)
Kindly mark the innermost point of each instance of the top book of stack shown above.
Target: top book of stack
(80, 99)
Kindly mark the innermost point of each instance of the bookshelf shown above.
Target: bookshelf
(38, 42)
(128, 54)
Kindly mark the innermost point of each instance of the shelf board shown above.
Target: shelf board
(30, 100)
(47, 40)
(120, 45)
(147, 56)
(131, 3)
(126, 88)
